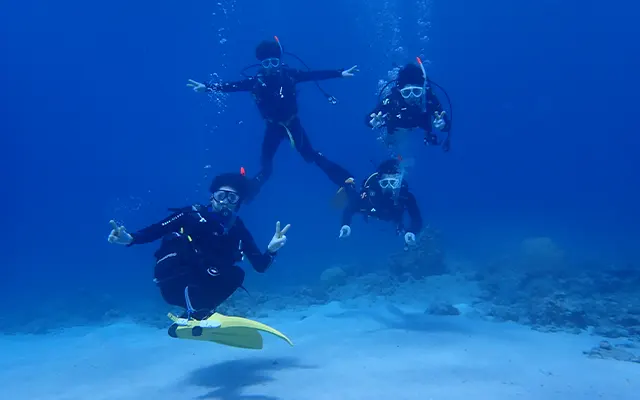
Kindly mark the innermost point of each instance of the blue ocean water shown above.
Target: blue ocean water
(97, 124)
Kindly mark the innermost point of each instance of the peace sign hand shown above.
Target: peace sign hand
(279, 238)
(439, 122)
(196, 86)
(119, 234)
(377, 120)
(348, 73)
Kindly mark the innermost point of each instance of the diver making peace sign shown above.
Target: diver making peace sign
(196, 264)
(411, 103)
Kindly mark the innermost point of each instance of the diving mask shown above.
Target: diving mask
(390, 182)
(412, 91)
(270, 63)
(226, 196)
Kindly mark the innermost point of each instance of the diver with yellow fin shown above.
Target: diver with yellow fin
(196, 264)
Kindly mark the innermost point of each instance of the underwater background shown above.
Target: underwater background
(97, 123)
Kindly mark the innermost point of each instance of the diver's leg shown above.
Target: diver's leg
(172, 291)
(170, 273)
(214, 288)
(336, 174)
(270, 143)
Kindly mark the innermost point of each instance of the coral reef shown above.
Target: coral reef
(424, 259)
(334, 276)
(442, 309)
(537, 287)
(555, 295)
(564, 302)
(606, 350)
(541, 254)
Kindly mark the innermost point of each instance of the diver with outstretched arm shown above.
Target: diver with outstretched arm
(384, 195)
(274, 91)
(412, 103)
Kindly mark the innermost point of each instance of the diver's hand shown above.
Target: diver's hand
(348, 73)
(119, 234)
(345, 232)
(197, 86)
(439, 122)
(377, 120)
(410, 239)
(279, 238)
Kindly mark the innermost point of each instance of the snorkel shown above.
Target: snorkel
(424, 86)
(445, 144)
(280, 45)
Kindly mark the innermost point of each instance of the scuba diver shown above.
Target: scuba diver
(274, 92)
(196, 264)
(411, 104)
(384, 195)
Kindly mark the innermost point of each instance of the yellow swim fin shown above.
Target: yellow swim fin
(230, 331)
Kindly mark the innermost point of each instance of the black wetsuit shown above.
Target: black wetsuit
(197, 252)
(400, 114)
(372, 202)
(275, 96)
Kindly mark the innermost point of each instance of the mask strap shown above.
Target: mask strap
(424, 86)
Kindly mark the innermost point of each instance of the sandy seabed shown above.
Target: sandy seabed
(339, 354)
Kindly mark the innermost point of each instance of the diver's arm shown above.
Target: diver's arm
(154, 232)
(414, 214)
(350, 210)
(259, 261)
(306, 76)
(245, 85)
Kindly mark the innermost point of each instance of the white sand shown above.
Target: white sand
(338, 355)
